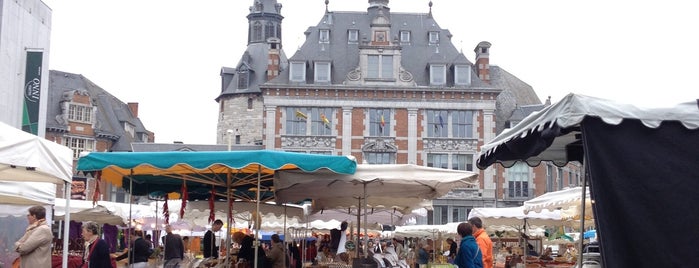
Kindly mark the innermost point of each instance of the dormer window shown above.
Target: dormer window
(405, 36)
(297, 73)
(352, 36)
(129, 128)
(434, 37)
(322, 72)
(438, 74)
(243, 78)
(462, 75)
(80, 113)
(324, 36)
(380, 66)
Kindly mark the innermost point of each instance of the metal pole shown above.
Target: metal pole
(228, 213)
(66, 225)
(582, 215)
(257, 215)
(366, 233)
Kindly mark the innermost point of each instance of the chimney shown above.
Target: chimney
(133, 106)
(483, 61)
(273, 57)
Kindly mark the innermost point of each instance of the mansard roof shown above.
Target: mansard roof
(111, 112)
(416, 55)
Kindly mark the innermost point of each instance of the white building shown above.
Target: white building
(25, 29)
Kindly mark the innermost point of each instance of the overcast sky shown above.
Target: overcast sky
(167, 54)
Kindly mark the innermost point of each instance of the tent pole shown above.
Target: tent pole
(582, 217)
(366, 233)
(257, 216)
(228, 213)
(359, 230)
(66, 224)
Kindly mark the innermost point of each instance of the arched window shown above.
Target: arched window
(257, 31)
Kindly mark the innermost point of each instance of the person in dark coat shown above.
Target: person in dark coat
(210, 248)
(97, 250)
(138, 252)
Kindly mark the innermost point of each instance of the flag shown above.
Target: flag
(299, 114)
(326, 122)
(441, 121)
(383, 122)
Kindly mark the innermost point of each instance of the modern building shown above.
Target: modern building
(85, 117)
(25, 31)
(386, 88)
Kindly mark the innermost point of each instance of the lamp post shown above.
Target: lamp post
(229, 133)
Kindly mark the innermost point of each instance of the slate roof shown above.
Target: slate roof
(111, 112)
(416, 55)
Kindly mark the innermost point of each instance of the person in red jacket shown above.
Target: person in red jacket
(483, 241)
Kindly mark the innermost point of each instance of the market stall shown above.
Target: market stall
(640, 163)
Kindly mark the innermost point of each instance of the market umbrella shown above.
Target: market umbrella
(232, 174)
(640, 162)
(403, 187)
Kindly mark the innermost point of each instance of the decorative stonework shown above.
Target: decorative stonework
(319, 142)
(405, 76)
(380, 145)
(450, 144)
(354, 75)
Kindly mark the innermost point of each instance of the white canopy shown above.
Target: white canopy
(568, 201)
(27, 157)
(26, 193)
(104, 212)
(515, 216)
(403, 187)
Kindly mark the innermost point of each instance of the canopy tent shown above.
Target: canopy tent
(103, 212)
(378, 216)
(515, 216)
(25, 193)
(233, 175)
(568, 201)
(197, 214)
(25, 158)
(641, 165)
(403, 187)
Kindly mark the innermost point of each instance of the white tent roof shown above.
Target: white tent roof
(26, 193)
(104, 212)
(26, 157)
(568, 201)
(569, 112)
(515, 216)
(404, 187)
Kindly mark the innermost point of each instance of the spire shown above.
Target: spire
(326, 5)
(430, 4)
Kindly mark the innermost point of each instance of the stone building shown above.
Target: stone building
(387, 88)
(85, 117)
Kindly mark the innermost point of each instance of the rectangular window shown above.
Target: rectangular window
(297, 72)
(296, 118)
(559, 174)
(242, 80)
(437, 123)
(549, 178)
(462, 124)
(380, 66)
(434, 37)
(462, 75)
(380, 158)
(352, 36)
(518, 180)
(324, 36)
(571, 180)
(322, 72)
(438, 74)
(129, 128)
(80, 113)
(438, 160)
(405, 36)
(79, 145)
(379, 122)
(462, 162)
(321, 123)
(459, 214)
